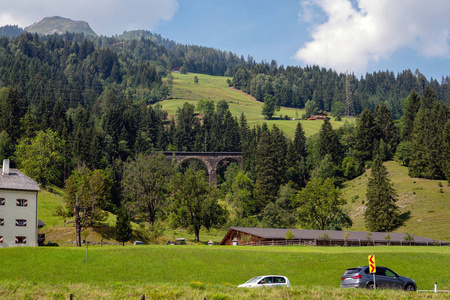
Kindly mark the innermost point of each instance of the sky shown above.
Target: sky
(357, 36)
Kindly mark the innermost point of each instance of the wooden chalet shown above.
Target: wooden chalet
(176, 69)
(276, 237)
(319, 116)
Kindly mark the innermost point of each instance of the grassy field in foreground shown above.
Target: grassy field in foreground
(217, 265)
(24, 290)
(194, 272)
(216, 88)
(427, 201)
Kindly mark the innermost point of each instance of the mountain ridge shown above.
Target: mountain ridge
(59, 25)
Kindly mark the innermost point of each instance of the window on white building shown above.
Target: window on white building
(20, 222)
(21, 202)
(2, 201)
(21, 240)
(1, 239)
(2, 222)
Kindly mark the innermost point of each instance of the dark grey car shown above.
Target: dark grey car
(360, 277)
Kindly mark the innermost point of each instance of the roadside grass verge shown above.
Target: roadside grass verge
(26, 290)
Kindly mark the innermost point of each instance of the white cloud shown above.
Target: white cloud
(354, 36)
(106, 17)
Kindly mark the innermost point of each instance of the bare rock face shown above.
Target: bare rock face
(59, 25)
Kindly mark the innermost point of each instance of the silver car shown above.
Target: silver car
(360, 277)
(267, 281)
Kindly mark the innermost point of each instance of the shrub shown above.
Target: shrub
(219, 297)
(197, 285)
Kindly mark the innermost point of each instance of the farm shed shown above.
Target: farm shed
(272, 236)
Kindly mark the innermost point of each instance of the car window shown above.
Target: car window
(352, 271)
(266, 280)
(381, 271)
(255, 279)
(390, 273)
(278, 280)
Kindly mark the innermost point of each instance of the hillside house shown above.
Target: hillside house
(319, 116)
(18, 208)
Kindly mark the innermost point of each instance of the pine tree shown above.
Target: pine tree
(386, 128)
(446, 152)
(123, 226)
(300, 141)
(382, 212)
(410, 108)
(328, 143)
(427, 140)
(269, 165)
(365, 136)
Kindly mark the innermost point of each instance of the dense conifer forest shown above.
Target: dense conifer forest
(93, 101)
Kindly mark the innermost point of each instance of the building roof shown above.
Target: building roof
(311, 234)
(16, 180)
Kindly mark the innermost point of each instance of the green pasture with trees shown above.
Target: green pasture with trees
(86, 121)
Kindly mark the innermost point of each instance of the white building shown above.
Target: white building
(18, 208)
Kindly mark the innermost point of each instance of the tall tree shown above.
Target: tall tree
(300, 141)
(410, 108)
(11, 110)
(41, 157)
(270, 106)
(387, 131)
(382, 212)
(320, 206)
(123, 226)
(426, 143)
(184, 131)
(85, 193)
(241, 194)
(446, 152)
(146, 185)
(365, 136)
(269, 166)
(328, 143)
(196, 202)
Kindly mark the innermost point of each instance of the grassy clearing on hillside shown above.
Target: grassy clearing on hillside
(216, 88)
(163, 272)
(425, 198)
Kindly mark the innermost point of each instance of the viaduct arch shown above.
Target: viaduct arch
(210, 159)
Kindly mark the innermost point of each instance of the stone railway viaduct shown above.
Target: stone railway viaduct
(210, 159)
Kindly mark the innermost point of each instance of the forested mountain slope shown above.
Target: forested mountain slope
(101, 103)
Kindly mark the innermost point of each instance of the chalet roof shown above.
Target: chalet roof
(16, 180)
(278, 234)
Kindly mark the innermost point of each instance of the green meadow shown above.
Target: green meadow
(216, 88)
(427, 201)
(195, 272)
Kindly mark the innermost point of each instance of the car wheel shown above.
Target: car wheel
(370, 286)
(409, 287)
